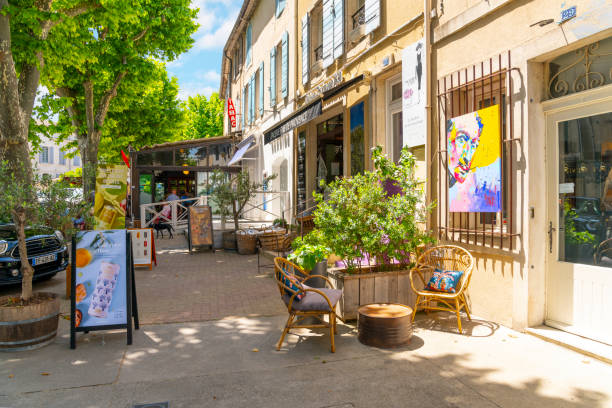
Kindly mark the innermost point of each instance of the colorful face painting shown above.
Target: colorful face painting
(474, 162)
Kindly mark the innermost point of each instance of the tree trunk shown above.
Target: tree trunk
(88, 146)
(27, 272)
(236, 216)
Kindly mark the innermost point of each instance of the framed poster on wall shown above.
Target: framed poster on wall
(103, 295)
(143, 247)
(200, 231)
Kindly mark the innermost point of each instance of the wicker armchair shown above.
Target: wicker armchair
(448, 258)
(316, 302)
(603, 249)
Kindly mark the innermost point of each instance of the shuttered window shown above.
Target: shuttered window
(252, 99)
(249, 37)
(328, 32)
(261, 89)
(305, 48)
(273, 77)
(285, 65)
(372, 15)
(243, 108)
(280, 6)
(338, 28)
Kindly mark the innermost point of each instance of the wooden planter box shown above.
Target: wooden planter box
(365, 288)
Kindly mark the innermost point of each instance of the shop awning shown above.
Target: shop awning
(297, 119)
(243, 147)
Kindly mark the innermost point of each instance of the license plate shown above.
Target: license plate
(44, 259)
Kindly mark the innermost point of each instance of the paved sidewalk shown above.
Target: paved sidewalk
(214, 364)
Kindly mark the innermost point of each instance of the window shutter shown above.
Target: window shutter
(305, 48)
(243, 108)
(328, 32)
(252, 99)
(273, 77)
(285, 65)
(249, 35)
(261, 89)
(338, 28)
(372, 15)
(51, 155)
(280, 6)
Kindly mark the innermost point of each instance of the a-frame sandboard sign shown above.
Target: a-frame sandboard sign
(103, 295)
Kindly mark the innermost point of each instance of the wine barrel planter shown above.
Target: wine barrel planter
(29, 327)
(229, 240)
(246, 243)
(385, 325)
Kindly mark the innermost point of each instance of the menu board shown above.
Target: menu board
(103, 294)
(200, 226)
(143, 247)
(111, 196)
(301, 172)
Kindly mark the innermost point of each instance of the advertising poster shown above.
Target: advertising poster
(111, 196)
(414, 80)
(200, 225)
(101, 278)
(143, 246)
(474, 161)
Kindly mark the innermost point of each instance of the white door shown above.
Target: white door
(579, 255)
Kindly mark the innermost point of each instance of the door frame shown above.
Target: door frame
(587, 103)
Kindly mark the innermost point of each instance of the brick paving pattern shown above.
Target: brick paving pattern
(203, 286)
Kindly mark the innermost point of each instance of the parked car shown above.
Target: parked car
(47, 253)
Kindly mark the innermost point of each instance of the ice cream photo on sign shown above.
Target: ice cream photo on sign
(474, 161)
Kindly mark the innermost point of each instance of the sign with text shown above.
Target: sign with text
(414, 80)
(143, 247)
(103, 295)
(231, 112)
(111, 196)
(200, 226)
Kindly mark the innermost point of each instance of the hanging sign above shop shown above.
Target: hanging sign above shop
(335, 80)
(414, 80)
(304, 116)
(231, 112)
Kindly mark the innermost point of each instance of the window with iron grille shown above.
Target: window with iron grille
(480, 86)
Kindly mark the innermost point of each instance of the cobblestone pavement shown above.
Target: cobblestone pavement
(191, 288)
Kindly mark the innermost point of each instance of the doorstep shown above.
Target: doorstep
(573, 342)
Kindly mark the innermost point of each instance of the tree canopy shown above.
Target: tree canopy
(204, 117)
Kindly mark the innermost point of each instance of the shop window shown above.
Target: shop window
(481, 213)
(395, 139)
(357, 129)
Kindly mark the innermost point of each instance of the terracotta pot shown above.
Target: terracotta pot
(29, 327)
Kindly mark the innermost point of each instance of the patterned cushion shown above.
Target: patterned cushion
(292, 283)
(315, 302)
(444, 281)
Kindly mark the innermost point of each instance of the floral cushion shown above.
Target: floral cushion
(444, 281)
(294, 286)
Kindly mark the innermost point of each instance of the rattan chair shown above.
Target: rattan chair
(316, 302)
(447, 258)
(603, 249)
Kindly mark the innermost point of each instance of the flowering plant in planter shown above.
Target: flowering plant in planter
(361, 220)
(308, 251)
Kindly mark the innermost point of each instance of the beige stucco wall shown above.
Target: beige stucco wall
(508, 287)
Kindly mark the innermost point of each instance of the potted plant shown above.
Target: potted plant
(311, 255)
(374, 231)
(234, 192)
(36, 209)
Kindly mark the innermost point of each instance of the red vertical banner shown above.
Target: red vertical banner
(231, 112)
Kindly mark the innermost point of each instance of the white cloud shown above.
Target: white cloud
(192, 89)
(215, 38)
(209, 76)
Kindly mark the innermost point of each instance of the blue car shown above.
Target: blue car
(47, 253)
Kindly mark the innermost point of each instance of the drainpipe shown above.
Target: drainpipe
(427, 35)
(228, 88)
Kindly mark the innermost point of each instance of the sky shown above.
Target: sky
(198, 70)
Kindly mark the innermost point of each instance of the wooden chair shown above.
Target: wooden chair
(446, 258)
(316, 302)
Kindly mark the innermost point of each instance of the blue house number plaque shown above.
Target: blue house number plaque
(568, 14)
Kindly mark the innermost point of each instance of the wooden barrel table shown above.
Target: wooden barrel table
(385, 325)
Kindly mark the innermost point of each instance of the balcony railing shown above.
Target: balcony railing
(359, 17)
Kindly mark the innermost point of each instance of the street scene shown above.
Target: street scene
(327, 204)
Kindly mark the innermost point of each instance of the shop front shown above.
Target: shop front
(179, 168)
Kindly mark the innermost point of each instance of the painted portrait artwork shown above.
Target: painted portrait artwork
(474, 162)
